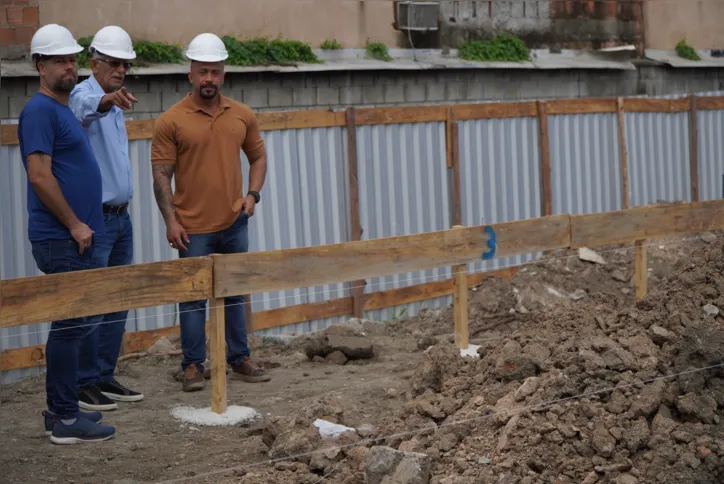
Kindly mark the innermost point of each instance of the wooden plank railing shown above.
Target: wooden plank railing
(38, 299)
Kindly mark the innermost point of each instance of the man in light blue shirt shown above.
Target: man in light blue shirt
(98, 103)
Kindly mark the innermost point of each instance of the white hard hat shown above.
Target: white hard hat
(207, 48)
(54, 39)
(115, 42)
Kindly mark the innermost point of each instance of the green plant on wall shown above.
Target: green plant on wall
(331, 45)
(685, 51)
(261, 51)
(503, 47)
(146, 52)
(379, 51)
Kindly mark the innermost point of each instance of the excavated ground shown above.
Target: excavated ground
(575, 382)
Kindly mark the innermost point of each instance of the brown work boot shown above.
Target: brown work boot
(193, 379)
(250, 372)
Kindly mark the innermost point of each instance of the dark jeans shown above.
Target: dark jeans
(233, 240)
(66, 336)
(100, 350)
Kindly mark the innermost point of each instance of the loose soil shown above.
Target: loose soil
(536, 407)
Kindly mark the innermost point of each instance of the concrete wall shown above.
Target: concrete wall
(698, 21)
(566, 23)
(337, 90)
(351, 22)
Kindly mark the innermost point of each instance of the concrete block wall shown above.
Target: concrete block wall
(338, 90)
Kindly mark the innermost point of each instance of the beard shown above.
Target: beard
(65, 84)
(206, 95)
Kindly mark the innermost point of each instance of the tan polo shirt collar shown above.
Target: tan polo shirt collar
(192, 107)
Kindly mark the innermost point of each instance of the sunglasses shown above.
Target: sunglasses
(116, 64)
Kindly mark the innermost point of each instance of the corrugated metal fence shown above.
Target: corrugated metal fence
(405, 188)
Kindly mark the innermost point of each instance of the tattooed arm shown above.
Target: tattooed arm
(175, 233)
(163, 162)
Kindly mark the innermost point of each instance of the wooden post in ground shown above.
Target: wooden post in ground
(358, 287)
(641, 274)
(460, 303)
(217, 337)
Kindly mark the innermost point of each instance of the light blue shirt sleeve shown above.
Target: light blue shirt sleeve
(84, 103)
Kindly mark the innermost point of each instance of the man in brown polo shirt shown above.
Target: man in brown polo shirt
(199, 140)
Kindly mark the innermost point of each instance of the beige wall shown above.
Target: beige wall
(700, 22)
(351, 22)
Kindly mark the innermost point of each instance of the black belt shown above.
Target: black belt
(116, 209)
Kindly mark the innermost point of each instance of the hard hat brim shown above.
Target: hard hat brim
(117, 54)
(62, 51)
(207, 58)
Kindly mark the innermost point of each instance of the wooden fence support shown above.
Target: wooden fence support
(623, 153)
(460, 303)
(453, 162)
(641, 274)
(694, 150)
(217, 337)
(545, 160)
(358, 287)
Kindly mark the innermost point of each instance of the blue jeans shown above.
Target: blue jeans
(232, 240)
(66, 336)
(100, 350)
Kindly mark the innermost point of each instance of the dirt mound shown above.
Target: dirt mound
(583, 393)
(596, 390)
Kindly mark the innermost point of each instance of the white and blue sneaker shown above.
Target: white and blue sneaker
(79, 431)
(50, 419)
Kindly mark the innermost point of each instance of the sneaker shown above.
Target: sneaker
(91, 398)
(115, 391)
(50, 419)
(193, 379)
(80, 430)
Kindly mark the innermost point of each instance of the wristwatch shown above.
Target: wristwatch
(256, 195)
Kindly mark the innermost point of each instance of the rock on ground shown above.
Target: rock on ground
(389, 466)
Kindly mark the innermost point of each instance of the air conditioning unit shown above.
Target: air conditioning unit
(421, 16)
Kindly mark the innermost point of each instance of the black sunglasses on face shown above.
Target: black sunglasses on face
(116, 64)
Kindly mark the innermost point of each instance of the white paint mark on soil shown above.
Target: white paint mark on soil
(204, 416)
(471, 351)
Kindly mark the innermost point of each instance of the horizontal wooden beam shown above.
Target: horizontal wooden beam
(580, 106)
(466, 112)
(648, 222)
(34, 356)
(300, 119)
(268, 121)
(258, 272)
(643, 105)
(37, 299)
(709, 102)
(399, 115)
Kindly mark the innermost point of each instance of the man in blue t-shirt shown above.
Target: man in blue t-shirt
(64, 213)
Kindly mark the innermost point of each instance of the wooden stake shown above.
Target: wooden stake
(358, 287)
(453, 162)
(545, 160)
(217, 337)
(460, 303)
(694, 151)
(623, 153)
(641, 270)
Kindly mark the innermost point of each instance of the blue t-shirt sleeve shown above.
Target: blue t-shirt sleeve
(37, 129)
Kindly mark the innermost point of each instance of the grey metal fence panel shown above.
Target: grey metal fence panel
(658, 157)
(500, 177)
(710, 125)
(585, 163)
(403, 190)
(304, 203)
(149, 236)
(16, 259)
